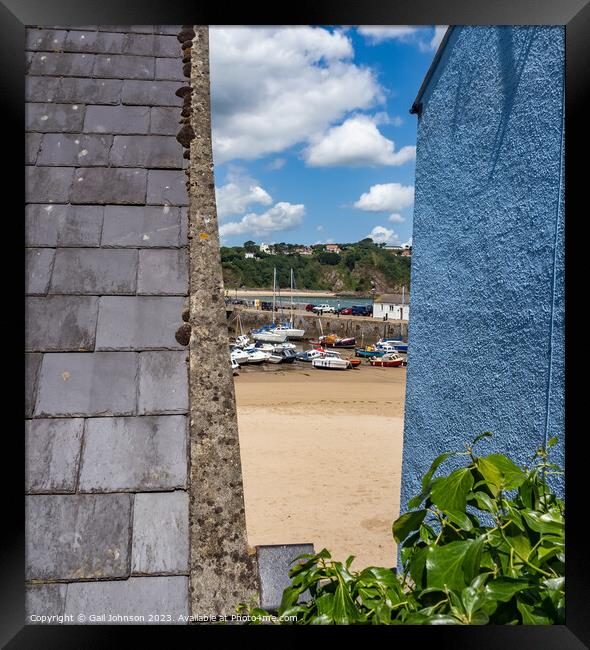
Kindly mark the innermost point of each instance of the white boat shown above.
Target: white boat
(235, 367)
(331, 363)
(256, 357)
(291, 332)
(243, 341)
(239, 356)
(282, 356)
(309, 355)
(270, 336)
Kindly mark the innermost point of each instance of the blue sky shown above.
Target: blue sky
(312, 137)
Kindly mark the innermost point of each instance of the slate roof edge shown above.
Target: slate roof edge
(416, 107)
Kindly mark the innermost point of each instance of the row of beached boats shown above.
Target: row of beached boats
(322, 355)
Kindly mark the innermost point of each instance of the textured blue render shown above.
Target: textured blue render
(486, 334)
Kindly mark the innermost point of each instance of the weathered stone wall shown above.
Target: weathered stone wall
(487, 327)
(106, 280)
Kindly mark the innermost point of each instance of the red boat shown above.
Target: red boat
(389, 360)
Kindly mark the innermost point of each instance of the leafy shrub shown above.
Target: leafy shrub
(482, 545)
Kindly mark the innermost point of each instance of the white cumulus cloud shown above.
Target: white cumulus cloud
(356, 142)
(426, 39)
(395, 218)
(386, 197)
(378, 34)
(382, 235)
(282, 216)
(272, 88)
(235, 197)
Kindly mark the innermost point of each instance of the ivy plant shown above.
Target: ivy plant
(482, 544)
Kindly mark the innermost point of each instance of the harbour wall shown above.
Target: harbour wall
(365, 330)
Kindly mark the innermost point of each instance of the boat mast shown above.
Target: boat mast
(274, 288)
(292, 321)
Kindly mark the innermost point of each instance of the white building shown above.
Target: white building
(390, 306)
(266, 248)
(248, 256)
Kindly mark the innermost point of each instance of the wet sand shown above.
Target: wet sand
(321, 456)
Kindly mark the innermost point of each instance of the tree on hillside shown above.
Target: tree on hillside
(250, 246)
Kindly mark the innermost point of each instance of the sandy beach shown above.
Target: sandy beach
(321, 457)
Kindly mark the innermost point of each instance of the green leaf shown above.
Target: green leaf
(406, 524)
(435, 465)
(485, 434)
(442, 619)
(450, 492)
(551, 442)
(444, 565)
(503, 589)
(530, 616)
(344, 610)
(500, 472)
(472, 600)
(544, 523)
(472, 559)
(484, 502)
(321, 620)
(349, 561)
(325, 605)
(460, 519)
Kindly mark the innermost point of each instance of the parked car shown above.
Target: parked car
(309, 307)
(324, 309)
(346, 311)
(359, 310)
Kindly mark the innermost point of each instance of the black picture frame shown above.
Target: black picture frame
(575, 15)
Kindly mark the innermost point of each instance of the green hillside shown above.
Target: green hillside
(353, 270)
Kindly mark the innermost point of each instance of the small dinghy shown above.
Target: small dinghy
(282, 356)
(392, 345)
(369, 352)
(388, 360)
(309, 355)
(334, 341)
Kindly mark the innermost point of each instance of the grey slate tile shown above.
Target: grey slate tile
(136, 598)
(140, 226)
(38, 265)
(92, 41)
(274, 562)
(89, 91)
(94, 271)
(44, 600)
(146, 151)
(160, 533)
(133, 29)
(166, 187)
(163, 382)
(41, 223)
(184, 227)
(62, 64)
(60, 323)
(48, 184)
(117, 119)
(163, 272)
(118, 66)
(167, 46)
(79, 384)
(164, 120)
(72, 537)
(138, 44)
(32, 365)
(52, 454)
(150, 93)
(80, 226)
(46, 40)
(32, 144)
(63, 225)
(138, 322)
(109, 185)
(167, 29)
(170, 68)
(41, 89)
(75, 149)
(140, 454)
(48, 118)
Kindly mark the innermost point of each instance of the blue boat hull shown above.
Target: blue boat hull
(359, 352)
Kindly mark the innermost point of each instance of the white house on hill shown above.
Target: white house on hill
(392, 306)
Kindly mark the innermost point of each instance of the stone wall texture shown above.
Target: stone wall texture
(107, 280)
(487, 328)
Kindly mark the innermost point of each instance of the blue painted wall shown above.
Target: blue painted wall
(487, 301)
